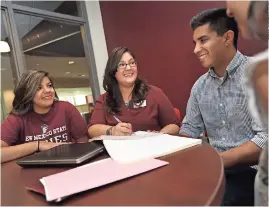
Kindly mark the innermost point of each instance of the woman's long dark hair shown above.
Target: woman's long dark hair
(114, 98)
(26, 89)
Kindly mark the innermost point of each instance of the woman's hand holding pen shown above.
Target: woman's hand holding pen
(122, 129)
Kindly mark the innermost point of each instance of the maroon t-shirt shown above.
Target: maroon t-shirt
(62, 123)
(155, 113)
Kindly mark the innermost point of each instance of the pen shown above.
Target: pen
(117, 119)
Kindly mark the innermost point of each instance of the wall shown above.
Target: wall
(160, 36)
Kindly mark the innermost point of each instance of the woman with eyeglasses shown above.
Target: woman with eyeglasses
(252, 19)
(38, 121)
(130, 104)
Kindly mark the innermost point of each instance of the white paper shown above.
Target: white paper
(135, 135)
(130, 150)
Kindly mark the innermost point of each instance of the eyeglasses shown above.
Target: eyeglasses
(132, 64)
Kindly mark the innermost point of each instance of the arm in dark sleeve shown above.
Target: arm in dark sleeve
(10, 130)
(166, 113)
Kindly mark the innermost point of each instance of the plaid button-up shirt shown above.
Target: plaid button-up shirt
(220, 108)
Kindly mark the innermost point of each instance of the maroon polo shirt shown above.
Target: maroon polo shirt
(157, 113)
(62, 123)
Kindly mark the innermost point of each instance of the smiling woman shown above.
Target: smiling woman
(130, 104)
(38, 121)
(30, 95)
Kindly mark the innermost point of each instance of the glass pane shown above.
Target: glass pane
(7, 70)
(63, 7)
(58, 49)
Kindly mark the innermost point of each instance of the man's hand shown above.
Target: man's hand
(245, 154)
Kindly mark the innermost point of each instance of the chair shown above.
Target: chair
(177, 113)
(86, 116)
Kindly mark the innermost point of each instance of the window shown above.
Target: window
(63, 7)
(58, 49)
(7, 70)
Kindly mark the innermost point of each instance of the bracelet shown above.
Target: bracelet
(108, 131)
(111, 130)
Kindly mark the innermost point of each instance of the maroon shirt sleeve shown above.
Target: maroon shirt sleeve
(166, 113)
(77, 123)
(98, 115)
(10, 129)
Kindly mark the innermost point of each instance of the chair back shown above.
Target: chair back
(177, 113)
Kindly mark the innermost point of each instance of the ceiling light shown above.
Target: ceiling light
(71, 62)
(4, 47)
(67, 73)
(81, 75)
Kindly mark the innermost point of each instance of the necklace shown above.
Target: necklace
(127, 103)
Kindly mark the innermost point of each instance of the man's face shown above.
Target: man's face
(209, 46)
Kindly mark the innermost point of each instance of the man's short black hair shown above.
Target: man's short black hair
(218, 22)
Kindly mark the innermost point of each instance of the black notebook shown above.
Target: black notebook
(65, 154)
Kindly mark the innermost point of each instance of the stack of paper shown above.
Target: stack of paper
(129, 150)
(135, 135)
(93, 175)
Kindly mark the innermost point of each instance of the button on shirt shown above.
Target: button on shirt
(219, 107)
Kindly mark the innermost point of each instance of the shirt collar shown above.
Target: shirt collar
(231, 68)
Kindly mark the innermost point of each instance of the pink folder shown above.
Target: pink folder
(93, 175)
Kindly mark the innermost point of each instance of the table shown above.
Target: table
(195, 176)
